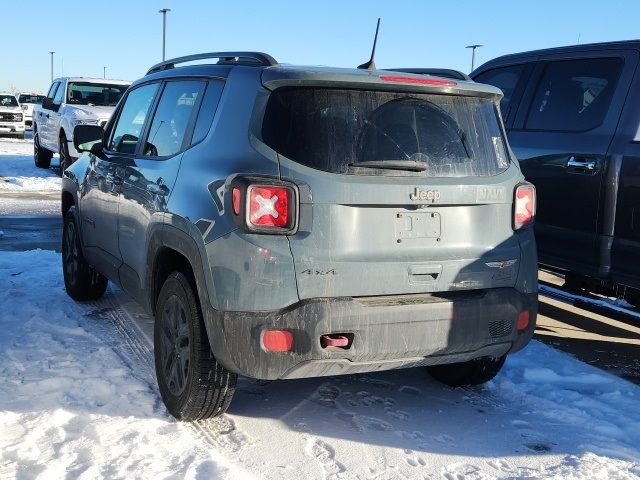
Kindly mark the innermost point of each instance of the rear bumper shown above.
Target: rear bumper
(388, 332)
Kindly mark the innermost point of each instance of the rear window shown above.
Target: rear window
(385, 133)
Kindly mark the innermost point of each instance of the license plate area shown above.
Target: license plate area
(417, 225)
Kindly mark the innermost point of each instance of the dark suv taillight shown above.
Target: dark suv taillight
(265, 206)
(524, 205)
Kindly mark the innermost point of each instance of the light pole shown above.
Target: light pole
(104, 72)
(473, 54)
(164, 28)
(51, 53)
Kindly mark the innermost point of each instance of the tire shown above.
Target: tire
(474, 372)
(81, 280)
(193, 385)
(65, 159)
(632, 296)
(20, 136)
(41, 156)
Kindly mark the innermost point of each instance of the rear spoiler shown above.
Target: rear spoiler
(284, 76)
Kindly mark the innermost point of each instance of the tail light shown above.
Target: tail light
(265, 206)
(524, 205)
(419, 80)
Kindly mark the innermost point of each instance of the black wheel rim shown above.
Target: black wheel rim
(64, 154)
(35, 148)
(70, 253)
(175, 343)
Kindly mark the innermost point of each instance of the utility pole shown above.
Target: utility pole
(104, 72)
(473, 54)
(51, 53)
(164, 28)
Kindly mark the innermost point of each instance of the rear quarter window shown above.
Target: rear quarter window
(335, 130)
(574, 95)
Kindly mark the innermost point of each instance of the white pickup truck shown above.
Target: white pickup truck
(71, 101)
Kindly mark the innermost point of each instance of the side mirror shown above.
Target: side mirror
(88, 138)
(47, 103)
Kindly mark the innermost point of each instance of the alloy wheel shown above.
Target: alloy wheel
(175, 343)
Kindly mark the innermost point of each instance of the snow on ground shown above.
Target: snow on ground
(78, 397)
(18, 172)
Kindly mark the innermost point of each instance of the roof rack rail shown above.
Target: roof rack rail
(254, 58)
(437, 72)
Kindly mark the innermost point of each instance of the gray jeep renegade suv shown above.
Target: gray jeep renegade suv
(284, 222)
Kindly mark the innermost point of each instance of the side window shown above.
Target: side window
(57, 99)
(133, 114)
(505, 79)
(172, 117)
(574, 95)
(207, 111)
(52, 89)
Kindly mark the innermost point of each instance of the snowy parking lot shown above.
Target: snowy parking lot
(78, 399)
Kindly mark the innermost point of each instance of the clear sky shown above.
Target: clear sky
(126, 35)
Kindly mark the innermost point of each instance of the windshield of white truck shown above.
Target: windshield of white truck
(106, 95)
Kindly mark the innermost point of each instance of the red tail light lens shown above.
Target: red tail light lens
(235, 194)
(524, 205)
(265, 205)
(418, 80)
(268, 206)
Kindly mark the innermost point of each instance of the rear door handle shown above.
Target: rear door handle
(586, 165)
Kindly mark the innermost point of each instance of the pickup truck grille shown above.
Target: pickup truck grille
(10, 117)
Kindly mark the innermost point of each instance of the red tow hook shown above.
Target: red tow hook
(339, 341)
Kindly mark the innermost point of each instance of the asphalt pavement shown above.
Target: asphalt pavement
(19, 233)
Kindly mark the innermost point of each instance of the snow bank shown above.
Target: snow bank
(18, 172)
(78, 398)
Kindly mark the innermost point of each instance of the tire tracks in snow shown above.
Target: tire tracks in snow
(134, 348)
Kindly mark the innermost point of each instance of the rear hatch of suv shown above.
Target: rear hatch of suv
(411, 184)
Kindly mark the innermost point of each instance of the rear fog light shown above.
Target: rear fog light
(277, 340)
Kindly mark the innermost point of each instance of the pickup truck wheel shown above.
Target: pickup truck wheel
(193, 385)
(81, 281)
(474, 372)
(65, 159)
(41, 156)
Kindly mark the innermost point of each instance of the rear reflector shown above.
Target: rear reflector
(524, 205)
(236, 200)
(418, 80)
(268, 206)
(277, 340)
(523, 321)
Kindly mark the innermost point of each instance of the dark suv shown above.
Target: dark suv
(286, 222)
(573, 120)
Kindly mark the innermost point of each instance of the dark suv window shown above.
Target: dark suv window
(574, 95)
(336, 130)
(128, 128)
(171, 119)
(506, 79)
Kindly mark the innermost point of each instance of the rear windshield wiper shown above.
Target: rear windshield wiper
(410, 165)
